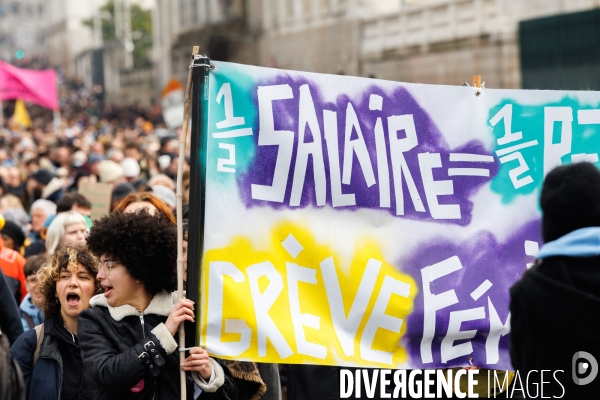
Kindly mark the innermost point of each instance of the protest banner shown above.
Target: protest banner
(99, 194)
(353, 221)
(30, 85)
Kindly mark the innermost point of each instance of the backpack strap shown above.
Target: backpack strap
(28, 319)
(39, 333)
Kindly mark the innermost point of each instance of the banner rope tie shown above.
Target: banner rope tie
(199, 56)
(211, 66)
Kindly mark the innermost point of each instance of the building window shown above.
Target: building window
(193, 11)
(188, 12)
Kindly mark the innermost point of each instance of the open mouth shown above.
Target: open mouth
(107, 290)
(73, 299)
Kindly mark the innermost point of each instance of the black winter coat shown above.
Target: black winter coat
(57, 373)
(121, 348)
(10, 321)
(555, 311)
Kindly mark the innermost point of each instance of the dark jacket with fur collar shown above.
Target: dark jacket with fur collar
(113, 341)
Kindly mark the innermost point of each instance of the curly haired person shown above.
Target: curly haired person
(67, 283)
(127, 334)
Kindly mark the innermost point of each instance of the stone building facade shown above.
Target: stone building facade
(421, 41)
(446, 42)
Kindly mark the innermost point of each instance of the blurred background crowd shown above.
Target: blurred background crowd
(124, 147)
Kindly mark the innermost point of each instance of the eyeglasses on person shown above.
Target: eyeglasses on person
(107, 265)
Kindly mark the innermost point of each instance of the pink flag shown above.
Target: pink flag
(36, 86)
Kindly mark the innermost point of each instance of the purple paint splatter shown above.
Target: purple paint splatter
(482, 257)
(399, 102)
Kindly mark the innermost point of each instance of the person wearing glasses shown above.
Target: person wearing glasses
(127, 335)
(50, 355)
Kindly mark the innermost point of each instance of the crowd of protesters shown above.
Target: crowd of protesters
(118, 306)
(68, 275)
(69, 283)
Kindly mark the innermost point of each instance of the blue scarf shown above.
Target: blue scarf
(583, 242)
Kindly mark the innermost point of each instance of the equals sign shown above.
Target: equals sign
(474, 158)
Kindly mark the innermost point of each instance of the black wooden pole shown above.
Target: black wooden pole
(197, 190)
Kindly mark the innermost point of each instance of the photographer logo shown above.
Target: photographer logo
(584, 367)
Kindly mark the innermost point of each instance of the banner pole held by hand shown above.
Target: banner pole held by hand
(182, 146)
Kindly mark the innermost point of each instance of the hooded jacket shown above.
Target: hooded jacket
(134, 356)
(58, 373)
(30, 314)
(554, 314)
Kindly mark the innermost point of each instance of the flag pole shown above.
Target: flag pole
(57, 122)
(182, 146)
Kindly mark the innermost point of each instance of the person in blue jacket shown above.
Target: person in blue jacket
(67, 283)
(30, 308)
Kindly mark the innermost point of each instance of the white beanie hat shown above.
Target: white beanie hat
(131, 168)
(109, 171)
(164, 161)
(165, 194)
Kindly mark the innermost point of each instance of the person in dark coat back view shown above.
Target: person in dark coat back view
(555, 306)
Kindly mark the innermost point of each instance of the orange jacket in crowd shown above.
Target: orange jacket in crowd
(11, 264)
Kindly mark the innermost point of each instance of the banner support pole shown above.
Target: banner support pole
(200, 71)
(1, 116)
(182, 146)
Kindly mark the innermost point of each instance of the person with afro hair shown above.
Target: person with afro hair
(126, 336)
